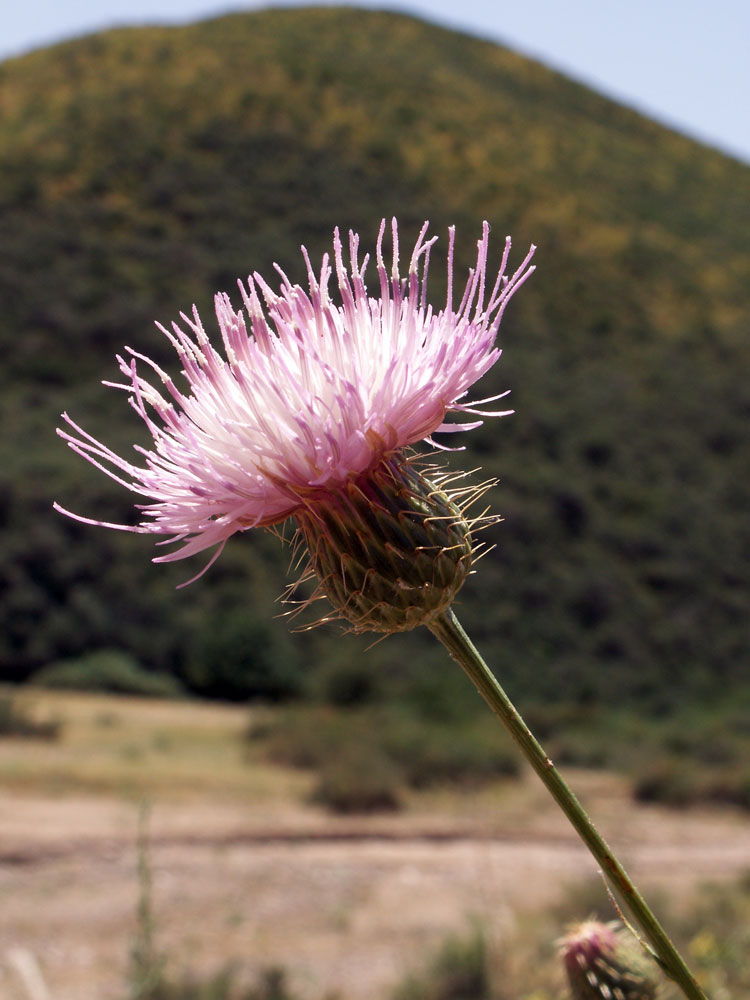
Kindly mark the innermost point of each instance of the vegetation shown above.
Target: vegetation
(150, 977)
(696, 754)
(525, 964)
(365, 758)
(713, 932)
(107, 670)
(717, 929)
(18, 722)
(352, 759)
(118, 750)
(133, 747)
(141, 170)
(459, 970)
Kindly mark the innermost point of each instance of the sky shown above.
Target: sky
(686, 64)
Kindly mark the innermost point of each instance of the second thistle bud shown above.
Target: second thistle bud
(390, 550)
(605, 962)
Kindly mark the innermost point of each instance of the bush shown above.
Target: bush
(16, 721)
(716, 929)
(306, 738)
(730, 788)
(384, 746)
(239, 658)
(107, 670)
(459, 971)
(667, 781)
(580, 748)
(458, 755)
(677, 783)
(363, 780)
(348, 683)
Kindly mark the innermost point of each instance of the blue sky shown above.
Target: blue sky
(685, 64)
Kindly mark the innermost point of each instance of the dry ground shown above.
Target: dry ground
(243, 869)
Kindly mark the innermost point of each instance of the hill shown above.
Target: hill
(141, 170)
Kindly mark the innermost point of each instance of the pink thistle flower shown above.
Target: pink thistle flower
(606, 962)
(308, 395)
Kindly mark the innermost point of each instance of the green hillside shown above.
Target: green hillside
(141, 170)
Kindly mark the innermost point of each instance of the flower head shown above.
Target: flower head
(605, 961)
(308, 396)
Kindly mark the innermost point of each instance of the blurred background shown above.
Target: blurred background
(143, 168)
(686, 68)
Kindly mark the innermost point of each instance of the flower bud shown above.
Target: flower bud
(390, 549)
(605, 962)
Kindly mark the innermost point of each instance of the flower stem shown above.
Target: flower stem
(448, 630)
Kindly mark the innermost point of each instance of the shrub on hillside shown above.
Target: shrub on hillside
(241, 657)
(461, 755)
(671, 781)
(368, 753)
(16, 721)
(668, 781)
(363, 780)
(109, 670)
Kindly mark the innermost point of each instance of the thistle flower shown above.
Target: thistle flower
(309, 412)
(605, 962)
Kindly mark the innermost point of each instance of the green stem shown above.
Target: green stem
(448, 630)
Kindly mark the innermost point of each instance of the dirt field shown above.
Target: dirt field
(243, 869)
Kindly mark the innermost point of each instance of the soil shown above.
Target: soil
(346, 905)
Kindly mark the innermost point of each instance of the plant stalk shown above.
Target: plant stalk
(449, 631)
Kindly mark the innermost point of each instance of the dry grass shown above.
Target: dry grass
(137, 747)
